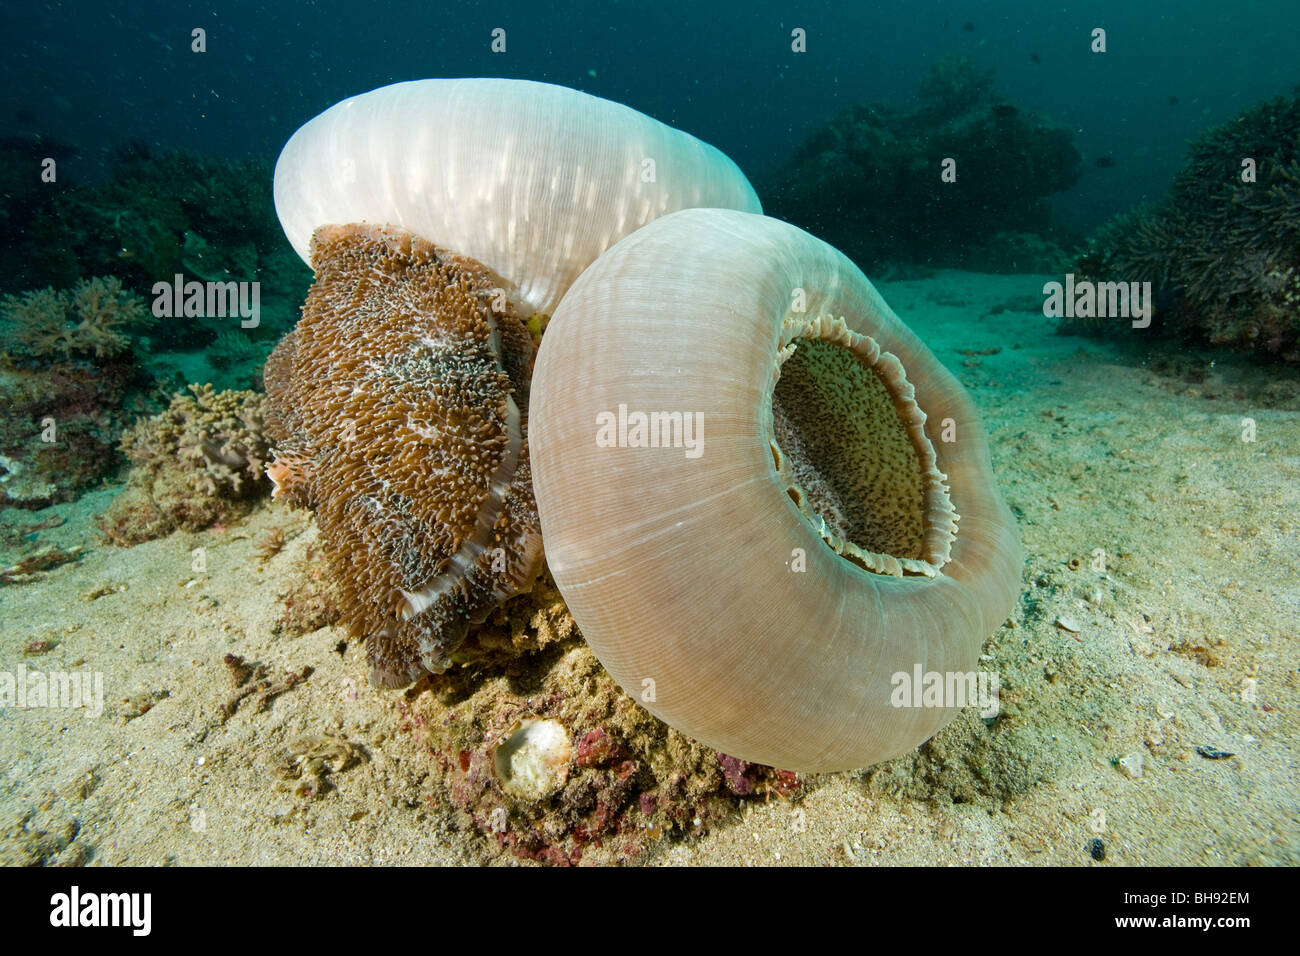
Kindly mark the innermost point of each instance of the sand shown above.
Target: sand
(1128, 675)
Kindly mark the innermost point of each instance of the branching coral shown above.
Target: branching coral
(199, 462)
(869, 181)
(68, 362)
(1223, 253)
(218, 435)
(93, 319)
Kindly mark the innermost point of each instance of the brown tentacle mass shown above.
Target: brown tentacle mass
(399, 407)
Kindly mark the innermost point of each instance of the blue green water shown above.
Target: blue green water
(98, 74)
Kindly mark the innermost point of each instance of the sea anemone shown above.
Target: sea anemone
(767, 499)
(531, 180)
(444, 219)
(398, 387)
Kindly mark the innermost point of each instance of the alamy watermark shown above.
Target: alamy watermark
(210, 300)
(626, 429)
(66, 690)
(948, 689)
(75, 908)
(1086, 299)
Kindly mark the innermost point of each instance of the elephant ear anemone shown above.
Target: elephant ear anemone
(764, 498)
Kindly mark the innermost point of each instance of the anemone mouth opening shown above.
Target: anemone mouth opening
(849, 445)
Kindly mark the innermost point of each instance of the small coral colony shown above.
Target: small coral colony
(573, 382)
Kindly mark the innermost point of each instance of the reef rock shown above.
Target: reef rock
(869, 181)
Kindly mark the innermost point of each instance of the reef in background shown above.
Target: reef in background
(67, 365)
(200, 462)
(93, 320)
(1222, 254)
(161, 213)
(868, 182)
(27, 197)
(82, 357)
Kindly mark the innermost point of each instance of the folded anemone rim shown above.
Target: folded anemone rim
(936, 519)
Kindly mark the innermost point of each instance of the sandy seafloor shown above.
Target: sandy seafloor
(1094, 448)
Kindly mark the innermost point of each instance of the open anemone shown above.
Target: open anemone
(767, 499)
(442, 217)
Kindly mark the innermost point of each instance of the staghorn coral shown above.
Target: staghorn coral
(399, 409)
(199, 462)
(868, 182)
(92, 319)
(1222, 254)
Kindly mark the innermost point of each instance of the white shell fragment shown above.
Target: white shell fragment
(1131, 766)
(533, 761)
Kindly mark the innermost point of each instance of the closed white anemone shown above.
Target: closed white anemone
(531, 180)
(764, 500)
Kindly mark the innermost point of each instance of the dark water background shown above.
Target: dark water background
(96, 75)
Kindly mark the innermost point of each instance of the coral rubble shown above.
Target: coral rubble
(617, 780)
